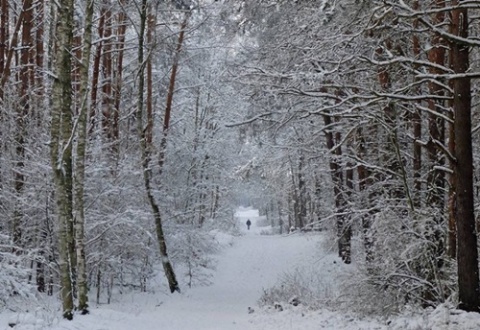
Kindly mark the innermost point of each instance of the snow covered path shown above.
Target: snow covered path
(253, 263)
(243, 272)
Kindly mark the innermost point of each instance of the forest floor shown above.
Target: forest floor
(249, 265)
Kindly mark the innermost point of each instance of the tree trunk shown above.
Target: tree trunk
(39, 58)
(11, 48)
(80, 163)
(151, 21)
(107, 81)
(61, 147)
(215, 199)
(295, 198)
(146, 152)
(118, 74)
(436, 178)
(452, 226)
(22, 114)
(363, 183)
(436, 124)
(170, 92)
(417, 124)
(343, 227)
(302, 193)
(467, 253)
(347, 228)
(4, 36)
(96, 70)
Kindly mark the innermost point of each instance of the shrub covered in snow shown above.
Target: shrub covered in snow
(299, 287)
(192, 249)
(408, 267)
(13, 273)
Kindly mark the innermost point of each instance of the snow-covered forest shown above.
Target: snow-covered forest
(134, 133)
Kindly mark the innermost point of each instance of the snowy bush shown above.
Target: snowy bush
(301, 286)
(13, 280)
(192, 249)
(407, 267)
(13, 274)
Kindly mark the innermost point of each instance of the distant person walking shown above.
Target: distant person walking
(248, 224)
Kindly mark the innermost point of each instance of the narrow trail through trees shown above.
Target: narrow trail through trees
(252, 264)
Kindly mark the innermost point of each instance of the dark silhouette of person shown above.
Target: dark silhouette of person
(248, 224)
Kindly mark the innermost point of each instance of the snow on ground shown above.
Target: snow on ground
(245, 269)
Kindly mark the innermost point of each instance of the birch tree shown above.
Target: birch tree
(82, 125)
(61, 148)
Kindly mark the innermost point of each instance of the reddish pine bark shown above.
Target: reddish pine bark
(10, 50)
(417, 124)
(107, 67)
(118, 73)
(467, 253)
(4, 35)
(436, 125)
(96, 70)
